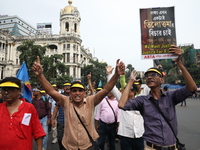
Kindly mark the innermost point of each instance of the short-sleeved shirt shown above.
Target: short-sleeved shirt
(60, 117)
(75, 136)
(157, 131)
(18, 130)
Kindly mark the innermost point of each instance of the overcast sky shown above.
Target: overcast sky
(110, 28)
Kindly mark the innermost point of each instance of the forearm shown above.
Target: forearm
(125, 93)
(111, 83)
(90, 86)
(187, 77)
(39, 143)
(115, 90)
(45, 84)
(48, 87)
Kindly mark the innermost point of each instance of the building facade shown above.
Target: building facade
(16, 25)
(67, 42)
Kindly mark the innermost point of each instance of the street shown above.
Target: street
(188, 126)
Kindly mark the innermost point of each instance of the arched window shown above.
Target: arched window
(67, 26)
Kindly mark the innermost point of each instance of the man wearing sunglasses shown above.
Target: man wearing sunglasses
(75, 136)
(158, 135)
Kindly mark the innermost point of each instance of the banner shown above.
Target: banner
(157, 32)
(24, 77)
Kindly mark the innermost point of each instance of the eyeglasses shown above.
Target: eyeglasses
(79, 90)
(9, 89)
(151, 74)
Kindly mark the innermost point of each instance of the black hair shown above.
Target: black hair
(140, 81)
(12, 79)
(134, 88)
(165, 88)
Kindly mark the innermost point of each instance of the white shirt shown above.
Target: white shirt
(131, 122)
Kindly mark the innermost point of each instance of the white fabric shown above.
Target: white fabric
(131, 122)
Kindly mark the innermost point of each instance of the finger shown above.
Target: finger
(38, 59)
(117, 61)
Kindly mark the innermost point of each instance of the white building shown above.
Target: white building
(67, 43)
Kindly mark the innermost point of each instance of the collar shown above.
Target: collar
(163, 93)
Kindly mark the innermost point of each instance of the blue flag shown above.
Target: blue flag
(100, 84)
(24, 77)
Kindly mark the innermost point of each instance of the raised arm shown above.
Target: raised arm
(115, 90)
(38, 71)
(125, 93)
(120, 68)
(191, 85)
(90, 83)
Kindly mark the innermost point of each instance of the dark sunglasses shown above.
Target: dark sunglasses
(9, 89)
(79, 90)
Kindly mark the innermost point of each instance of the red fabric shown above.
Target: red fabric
(15, 135)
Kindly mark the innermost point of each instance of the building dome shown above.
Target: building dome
(69, 8)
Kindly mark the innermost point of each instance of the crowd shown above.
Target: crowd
(81, 119)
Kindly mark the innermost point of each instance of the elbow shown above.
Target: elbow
(194, 89)
(120, 105)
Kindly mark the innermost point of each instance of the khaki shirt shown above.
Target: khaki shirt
(75, 137)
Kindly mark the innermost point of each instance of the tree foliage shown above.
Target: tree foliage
(53, 68)
(172, 71)
(98, 71)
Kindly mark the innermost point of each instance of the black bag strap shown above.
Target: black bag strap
(92, 141)
(112, 110)
(166, 119)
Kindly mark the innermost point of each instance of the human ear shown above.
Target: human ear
(161, 80)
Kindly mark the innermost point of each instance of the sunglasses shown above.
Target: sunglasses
(9, 89)
(151, 74)
(79, 90)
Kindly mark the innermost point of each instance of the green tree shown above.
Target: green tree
(53, 68)
(98, 72)
(173, 73)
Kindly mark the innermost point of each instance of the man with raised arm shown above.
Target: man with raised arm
(75, 136)
(158, 134)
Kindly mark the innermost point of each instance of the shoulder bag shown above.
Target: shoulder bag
(179, 145)
(94, 144)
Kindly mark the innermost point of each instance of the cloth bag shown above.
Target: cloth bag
(94, 144)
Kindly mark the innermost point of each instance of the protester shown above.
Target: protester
(158, 134)
(19, 121)
(108, 119)
(131, 126)
(59, 114)
(44, 112)
(75, 136)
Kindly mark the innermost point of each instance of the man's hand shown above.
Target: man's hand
(37, 68)
(176, 51)
(134, 75)
(109, 69)
(120, 67)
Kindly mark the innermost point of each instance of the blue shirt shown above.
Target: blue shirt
(157, 131)
(60, 117)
